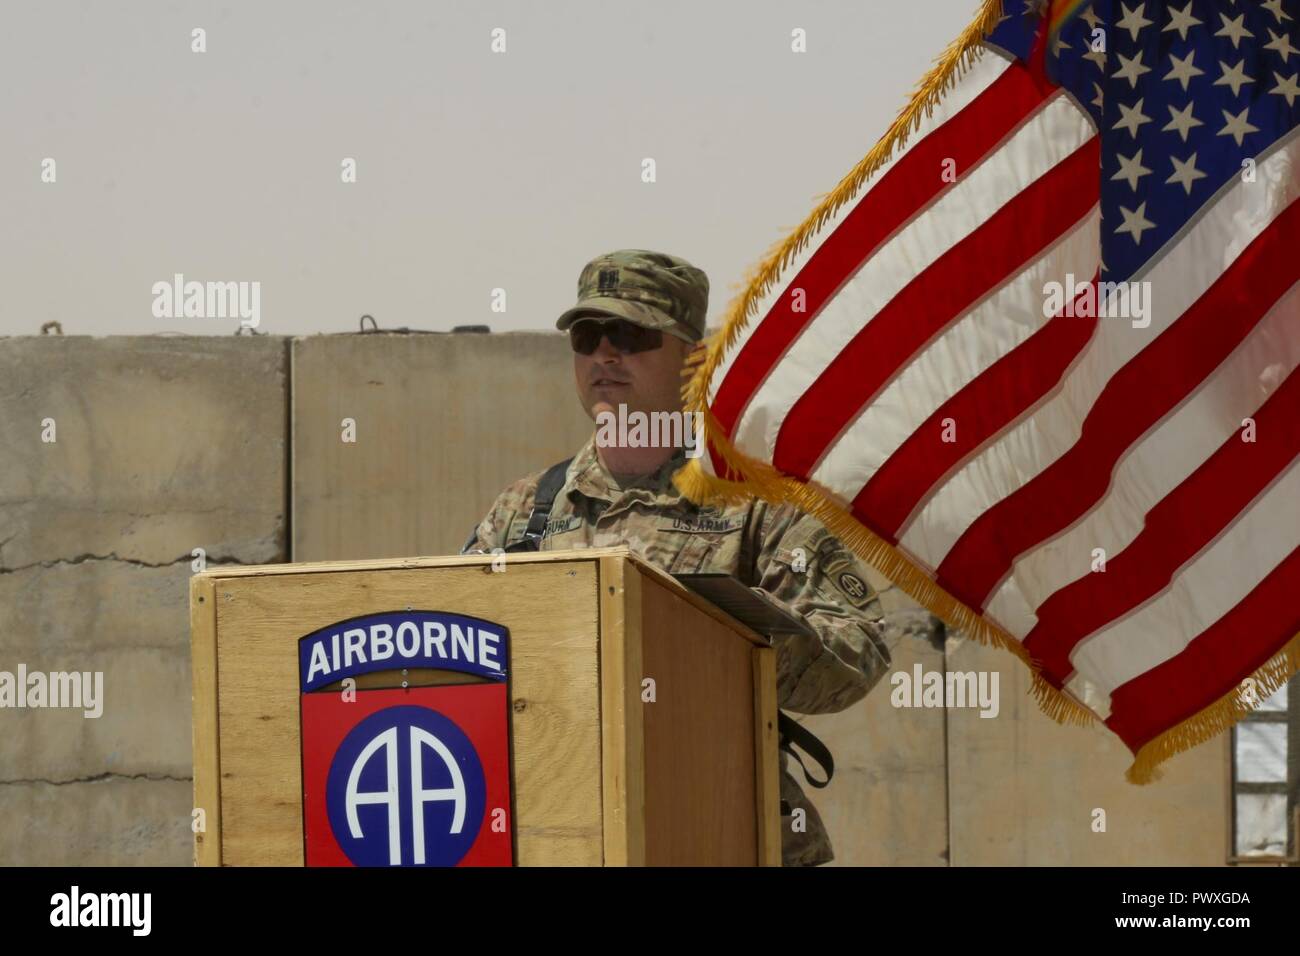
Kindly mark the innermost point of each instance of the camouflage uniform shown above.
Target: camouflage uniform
(762, 545)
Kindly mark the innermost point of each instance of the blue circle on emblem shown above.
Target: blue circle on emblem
(406, 788)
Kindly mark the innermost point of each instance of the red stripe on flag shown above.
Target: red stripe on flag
(1136, 398)
(1216, 661)
(980, 411)
(1011, 238)
(907, 188)
(1175, 530)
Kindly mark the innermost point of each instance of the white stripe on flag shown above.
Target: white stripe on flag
(1158, 463)
(1177, 280)
(1054, 132)
(963, 352)
(1202, 591)
(981, 75)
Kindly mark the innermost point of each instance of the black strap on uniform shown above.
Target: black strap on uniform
(792, 733)
(547, 488)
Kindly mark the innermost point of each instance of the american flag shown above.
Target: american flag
(1035, 357)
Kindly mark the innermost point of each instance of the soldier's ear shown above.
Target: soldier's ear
(683, 347)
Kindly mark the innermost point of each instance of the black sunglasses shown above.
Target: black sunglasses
(585, 336)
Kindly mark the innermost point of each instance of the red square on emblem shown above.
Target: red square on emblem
(407, 777)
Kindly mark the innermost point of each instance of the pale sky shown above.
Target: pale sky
(475, 170)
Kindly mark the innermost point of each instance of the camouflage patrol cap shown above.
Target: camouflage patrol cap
(652, 289)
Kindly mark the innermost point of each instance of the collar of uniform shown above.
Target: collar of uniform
(590, 479)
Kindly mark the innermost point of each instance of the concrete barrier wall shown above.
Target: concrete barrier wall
(1025, 790)
(442, 424)
(167, 444)
(163, 445)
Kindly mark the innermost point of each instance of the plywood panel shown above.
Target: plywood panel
(622, 728)
(767, 760)
(207, 766)
(554, 695)
(699, 735)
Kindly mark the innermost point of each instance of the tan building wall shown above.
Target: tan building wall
(167, 444)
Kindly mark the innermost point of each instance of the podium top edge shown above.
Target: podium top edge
(424, 561)
(479, 560)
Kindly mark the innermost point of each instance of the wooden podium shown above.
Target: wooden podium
(641, 718)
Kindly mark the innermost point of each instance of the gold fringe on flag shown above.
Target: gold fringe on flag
(762, 480)
(1218, 717)
(948, 68)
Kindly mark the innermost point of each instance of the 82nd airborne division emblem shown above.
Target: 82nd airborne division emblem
(414, 775)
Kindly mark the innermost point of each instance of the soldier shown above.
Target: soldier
(638, 315)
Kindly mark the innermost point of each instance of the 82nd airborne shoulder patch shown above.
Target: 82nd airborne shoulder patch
(841, 570)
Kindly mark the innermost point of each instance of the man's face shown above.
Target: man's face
(649, 381)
